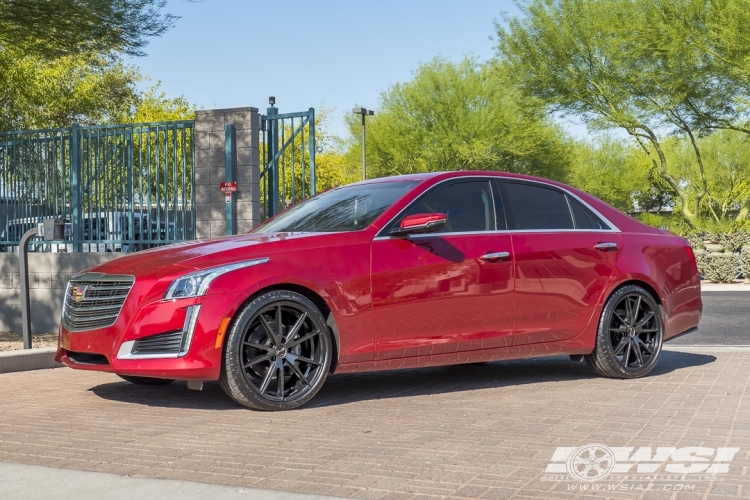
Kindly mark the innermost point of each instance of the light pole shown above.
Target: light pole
(364, 112)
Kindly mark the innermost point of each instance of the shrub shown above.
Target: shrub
(695, 240)
(745, 262)
(701, 258)
(718, 267)
(733, 241)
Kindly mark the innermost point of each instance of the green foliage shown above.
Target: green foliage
(88, 89)
(745, 262)
(663, 71)
(459, 117)
(56, 28)
(725, 156)
(611, 170)
(733, 242)
(718, 267)
(155, 106)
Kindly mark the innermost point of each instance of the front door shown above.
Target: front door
(445, 292)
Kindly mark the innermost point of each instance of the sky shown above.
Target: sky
(326, 54)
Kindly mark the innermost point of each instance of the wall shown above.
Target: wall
(210, 161)
(49, 274)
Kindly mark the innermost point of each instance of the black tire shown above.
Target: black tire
(146, 380)
(630, 335)
(279, 332)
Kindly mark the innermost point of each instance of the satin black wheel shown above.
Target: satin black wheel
(630, 336)
(146, 380)
(278, 352)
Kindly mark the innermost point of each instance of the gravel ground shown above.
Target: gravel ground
(14, 341)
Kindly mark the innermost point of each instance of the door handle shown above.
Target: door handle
(495, 256)
(606, 246)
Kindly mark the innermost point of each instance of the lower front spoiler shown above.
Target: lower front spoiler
(186, 368)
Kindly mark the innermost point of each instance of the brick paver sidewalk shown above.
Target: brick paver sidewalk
(477, 431)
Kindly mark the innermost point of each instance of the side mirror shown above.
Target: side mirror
(420, 224)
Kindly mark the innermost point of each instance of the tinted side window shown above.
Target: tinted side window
(468, 206)
(584, 218)
(537, 207)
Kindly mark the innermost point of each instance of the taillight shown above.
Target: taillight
(691, 254)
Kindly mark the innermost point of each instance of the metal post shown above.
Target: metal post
(76, 179)
(364, 157)
(272, 172)
(23, 261)
(230, 153)
(312, 151)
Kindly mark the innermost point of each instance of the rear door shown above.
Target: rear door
(446, 291)
(564, 255)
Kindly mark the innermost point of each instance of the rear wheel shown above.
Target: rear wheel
(630, 335)
(146, 380)
(278, 352)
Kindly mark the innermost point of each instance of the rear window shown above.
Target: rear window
(584, 218)
(537, 207)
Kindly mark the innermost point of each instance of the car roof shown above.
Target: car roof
(457, 174)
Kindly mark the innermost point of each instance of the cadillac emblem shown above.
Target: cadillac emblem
(79, 293)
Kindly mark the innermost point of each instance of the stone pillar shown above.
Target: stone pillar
(209, 170)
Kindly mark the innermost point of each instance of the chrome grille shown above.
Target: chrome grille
(94, 300)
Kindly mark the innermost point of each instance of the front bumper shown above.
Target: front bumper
(111, 349)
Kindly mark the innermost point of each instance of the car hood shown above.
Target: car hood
(201, 254)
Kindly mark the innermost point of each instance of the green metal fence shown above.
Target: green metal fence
(123, 187)
(287, 159)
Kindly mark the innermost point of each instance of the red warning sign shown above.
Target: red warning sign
(228, 187)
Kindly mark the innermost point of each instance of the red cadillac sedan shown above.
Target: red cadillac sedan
(400, 272)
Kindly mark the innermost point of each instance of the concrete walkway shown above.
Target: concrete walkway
(31, 482)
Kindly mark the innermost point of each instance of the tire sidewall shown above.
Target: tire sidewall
(232, 377)
(604, 347)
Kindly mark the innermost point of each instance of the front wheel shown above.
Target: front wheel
(278, 352)
(630, 335)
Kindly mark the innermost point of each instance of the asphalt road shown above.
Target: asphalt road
(725, 321)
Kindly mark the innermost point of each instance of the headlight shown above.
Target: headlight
(196, 283)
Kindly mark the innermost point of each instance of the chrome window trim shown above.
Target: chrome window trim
(514, 231)
(612, 227)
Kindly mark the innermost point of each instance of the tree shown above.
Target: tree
(639, 65)
(704, 46)
(56, 28)
(611, 170)
(155, 106)
(459, 117)
(85, 88)
(88, 89)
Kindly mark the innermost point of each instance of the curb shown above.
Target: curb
(736, 287)
(699, 349)
(28, 359)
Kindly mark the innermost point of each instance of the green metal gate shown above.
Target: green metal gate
(287, 159)
(123, 187)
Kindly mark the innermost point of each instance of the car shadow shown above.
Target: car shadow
(350, 388)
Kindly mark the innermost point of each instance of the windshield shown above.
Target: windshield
(349, 208)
